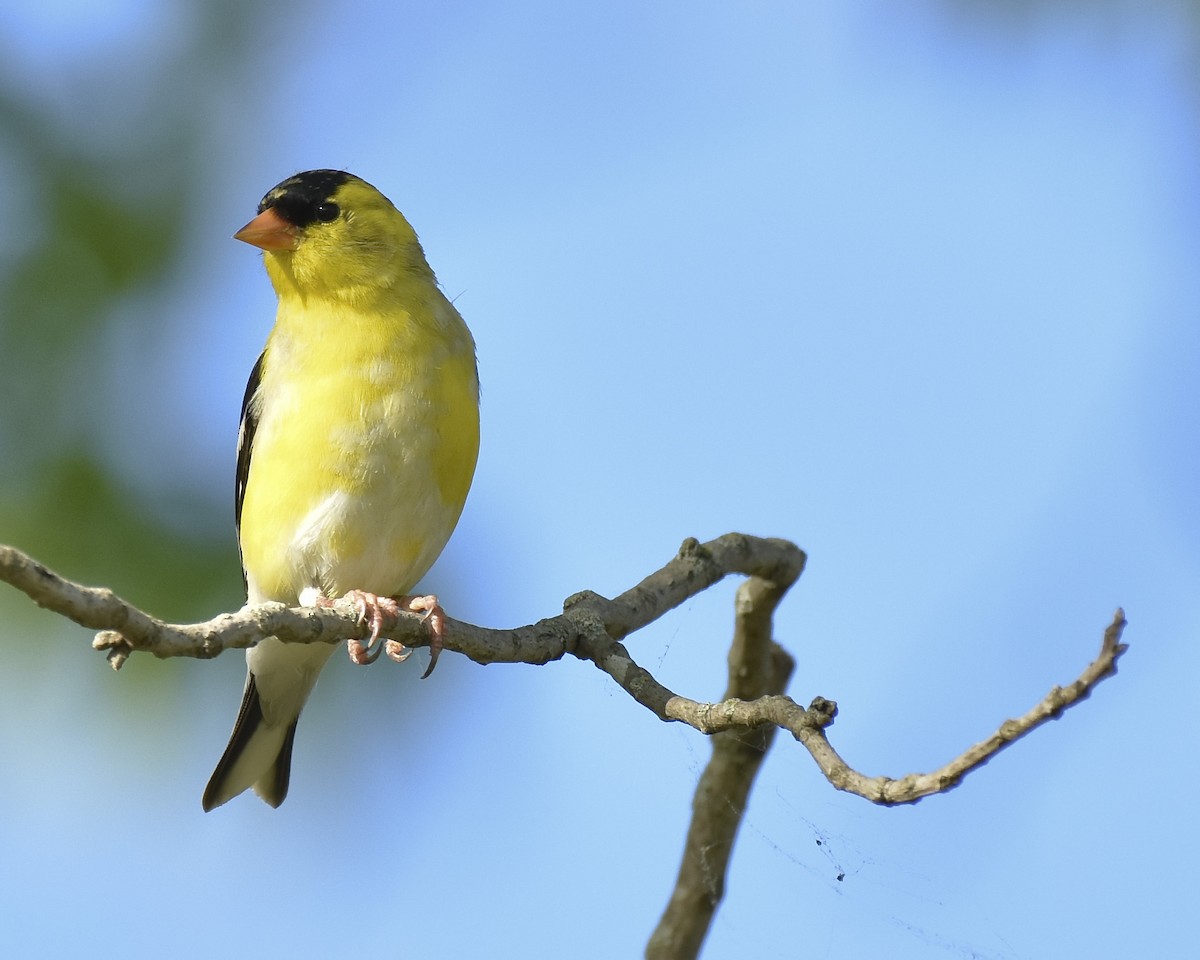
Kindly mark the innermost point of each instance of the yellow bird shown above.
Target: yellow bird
(359, 434)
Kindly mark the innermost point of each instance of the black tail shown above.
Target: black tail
(239, 767)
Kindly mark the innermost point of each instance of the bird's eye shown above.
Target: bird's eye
(327, 212)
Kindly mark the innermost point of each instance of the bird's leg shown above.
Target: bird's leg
(379, 612)
(383, 612)
(435, 616)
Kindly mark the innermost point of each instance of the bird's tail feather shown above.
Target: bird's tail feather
(258, 756)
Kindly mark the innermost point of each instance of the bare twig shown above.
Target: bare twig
(592, 628)
(808, 726)
(588, 618)
(757, 667)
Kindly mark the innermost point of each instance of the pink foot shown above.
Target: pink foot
(383, 612)
(435, 616)
(379, 612)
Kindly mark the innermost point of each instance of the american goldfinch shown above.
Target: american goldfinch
(359, 433)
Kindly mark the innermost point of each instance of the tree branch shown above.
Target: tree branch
(592, 627)
(757, 667)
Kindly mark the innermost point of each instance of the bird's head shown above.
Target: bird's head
(328, 233)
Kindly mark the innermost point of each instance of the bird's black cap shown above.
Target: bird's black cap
(306, 198)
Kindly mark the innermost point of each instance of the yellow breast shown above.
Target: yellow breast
(366, 443)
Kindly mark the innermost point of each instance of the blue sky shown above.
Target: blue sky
(911, 285)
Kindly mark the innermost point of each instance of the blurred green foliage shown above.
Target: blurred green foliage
(103, 191)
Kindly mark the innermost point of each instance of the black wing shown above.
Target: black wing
(249, 424)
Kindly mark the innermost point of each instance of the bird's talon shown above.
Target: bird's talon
(435, 616)
(363, 654)
(381, 612)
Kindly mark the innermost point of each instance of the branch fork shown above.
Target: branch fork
(741, 725)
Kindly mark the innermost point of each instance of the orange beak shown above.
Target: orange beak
(269, 231)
